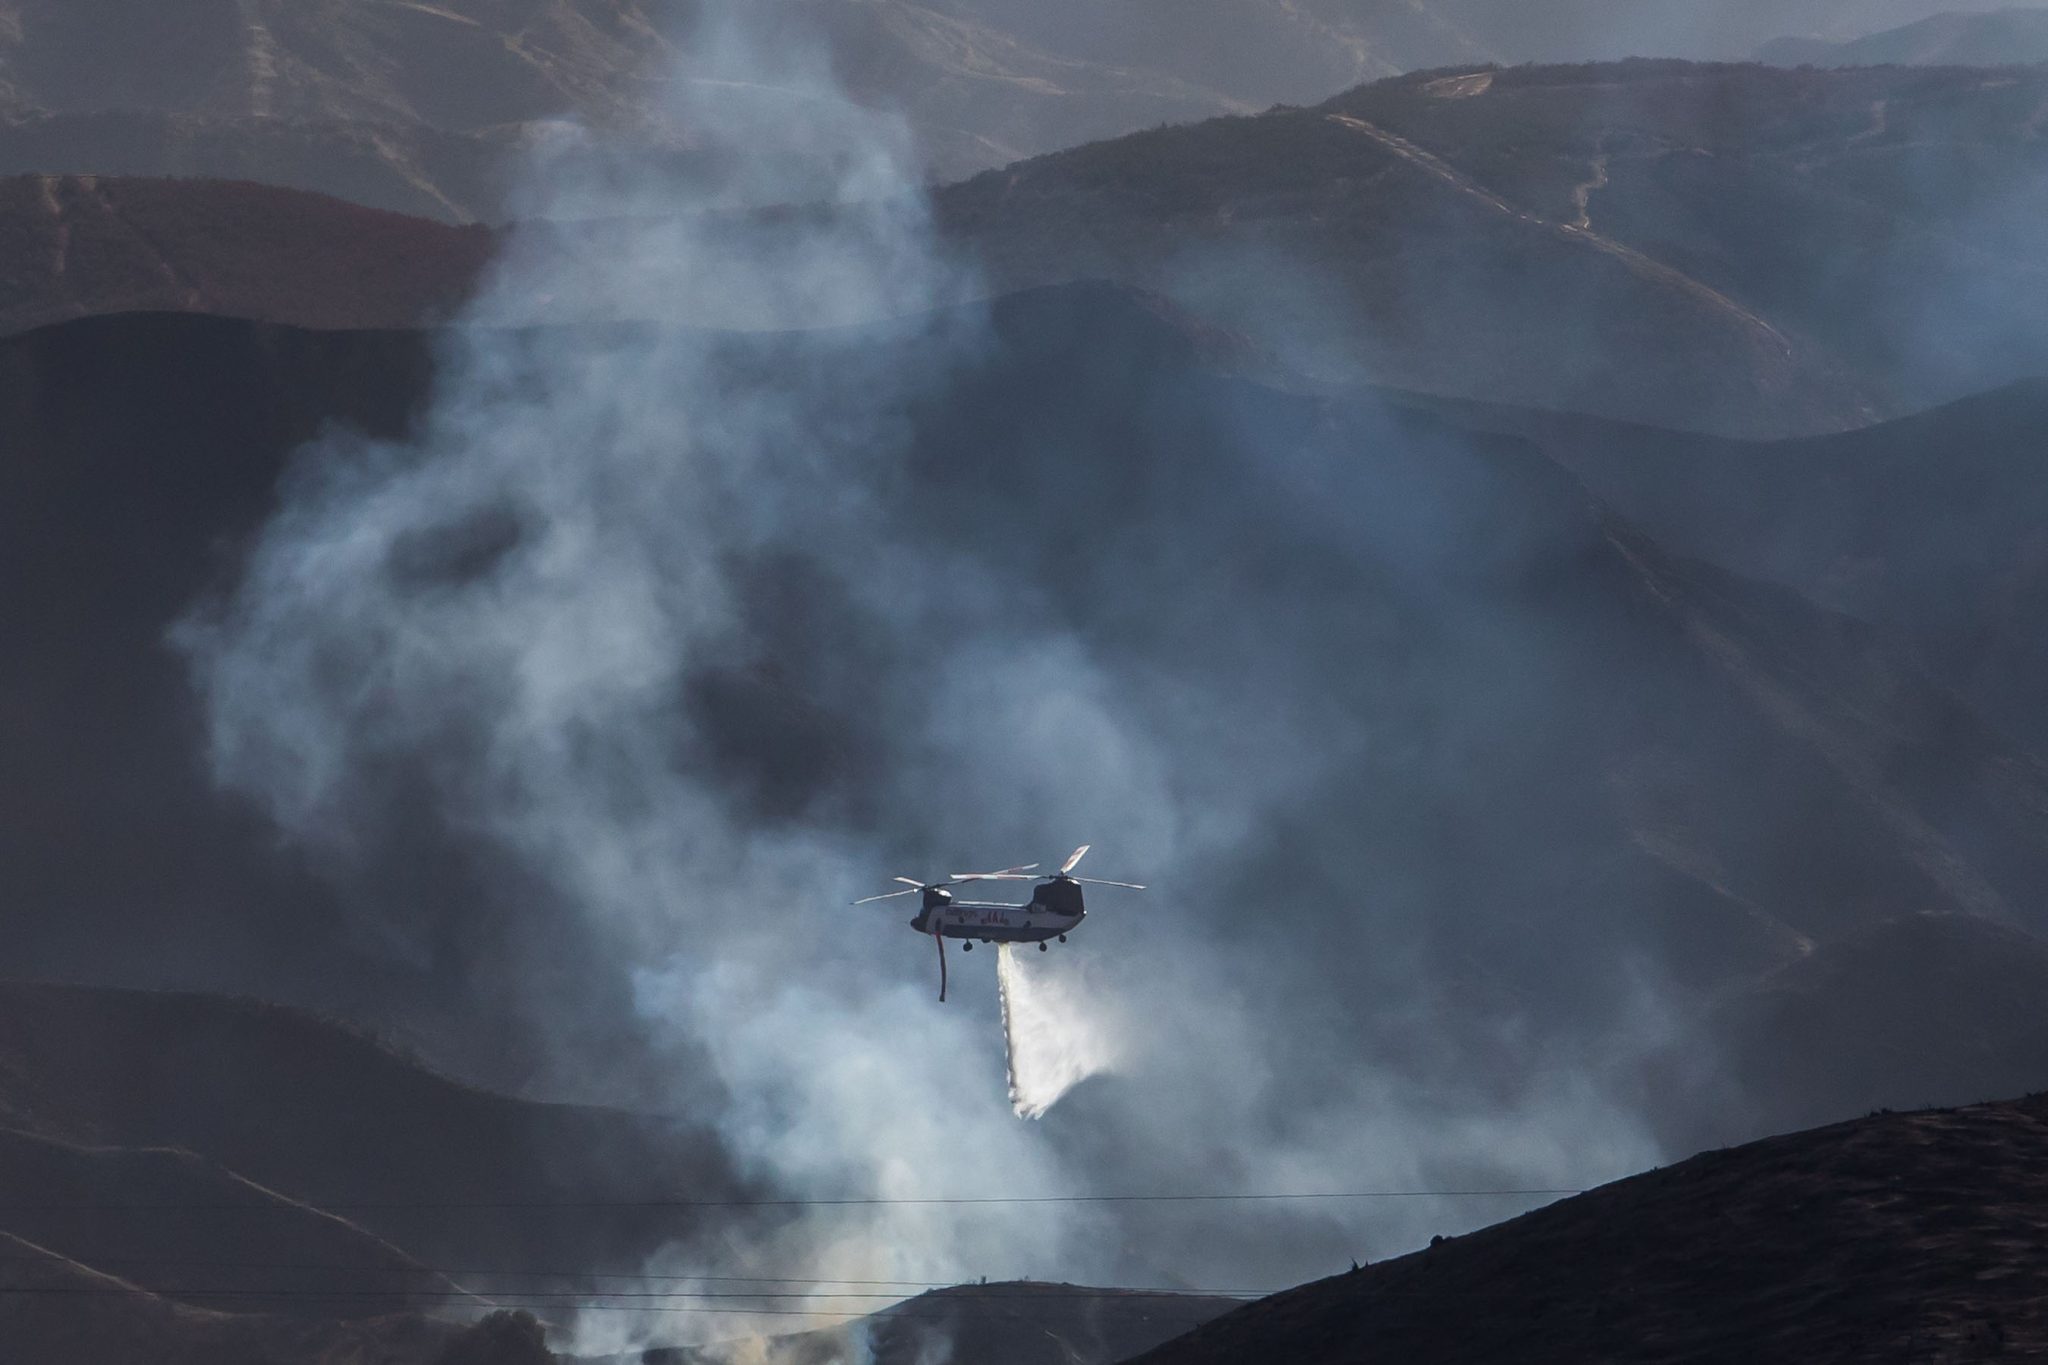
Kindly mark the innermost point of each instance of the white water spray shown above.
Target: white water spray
(1048, 1044)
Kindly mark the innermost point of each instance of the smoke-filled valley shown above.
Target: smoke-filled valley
(440, 759)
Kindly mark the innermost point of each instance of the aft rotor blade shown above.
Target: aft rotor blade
(1078, 854)
(997, 877)
(1098, 881)
(888, 896)
(909, 881)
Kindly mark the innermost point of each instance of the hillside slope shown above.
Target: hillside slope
(426, 108)
(1895, 1237)
(79, 246)
(454, 177)
(1010, 1323)
(117, 1209)
(2006, 37)
(1734, 248)
(1689, 772)
(1919, 1011)
(113, 1248)
(54, 1309)
(1927, 527)
(315, 1132)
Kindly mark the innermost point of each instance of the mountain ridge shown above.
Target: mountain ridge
(2014, 36)
(1592, 238)
(1457, 232)
(426, 108)
(1884, 1237)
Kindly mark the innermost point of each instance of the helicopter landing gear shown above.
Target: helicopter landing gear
(966, 945)
(1063, 938)
(1041, 945)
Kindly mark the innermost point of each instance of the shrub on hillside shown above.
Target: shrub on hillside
(502, 1338)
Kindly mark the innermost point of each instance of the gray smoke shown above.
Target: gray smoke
(559, 629)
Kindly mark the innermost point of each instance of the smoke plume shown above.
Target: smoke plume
(657, 644)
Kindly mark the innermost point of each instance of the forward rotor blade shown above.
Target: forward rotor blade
(991, 876)
(909, 881)
(1098, 881)
(998, 877)
(1078, 854)
(888, 896)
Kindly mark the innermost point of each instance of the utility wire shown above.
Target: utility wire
(511, 1205)
(555, 1296)
(183, 1263)
(648, 1310)
(439, 1273)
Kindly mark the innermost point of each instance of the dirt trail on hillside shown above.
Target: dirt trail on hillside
(188, 290)
(1583, 192)
(60, 249)
(1647, 266)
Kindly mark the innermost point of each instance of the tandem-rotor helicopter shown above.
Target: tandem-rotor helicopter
(1054, 908)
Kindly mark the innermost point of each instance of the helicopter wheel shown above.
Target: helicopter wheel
(1063, 938)
(1041, 945)
(966, 945)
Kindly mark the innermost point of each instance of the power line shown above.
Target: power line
(648, 1311)
(452, 1276)
(657, 1295)
(183, 1263)
(864, 1202)
(658, 1305)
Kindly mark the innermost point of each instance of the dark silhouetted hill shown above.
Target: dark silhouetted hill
(79, 246)
(454, 177)
(1904, 1237)
(1009, 1323)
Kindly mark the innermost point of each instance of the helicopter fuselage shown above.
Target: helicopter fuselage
(989, 922)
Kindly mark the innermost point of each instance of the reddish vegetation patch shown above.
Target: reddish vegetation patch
(73, 246)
